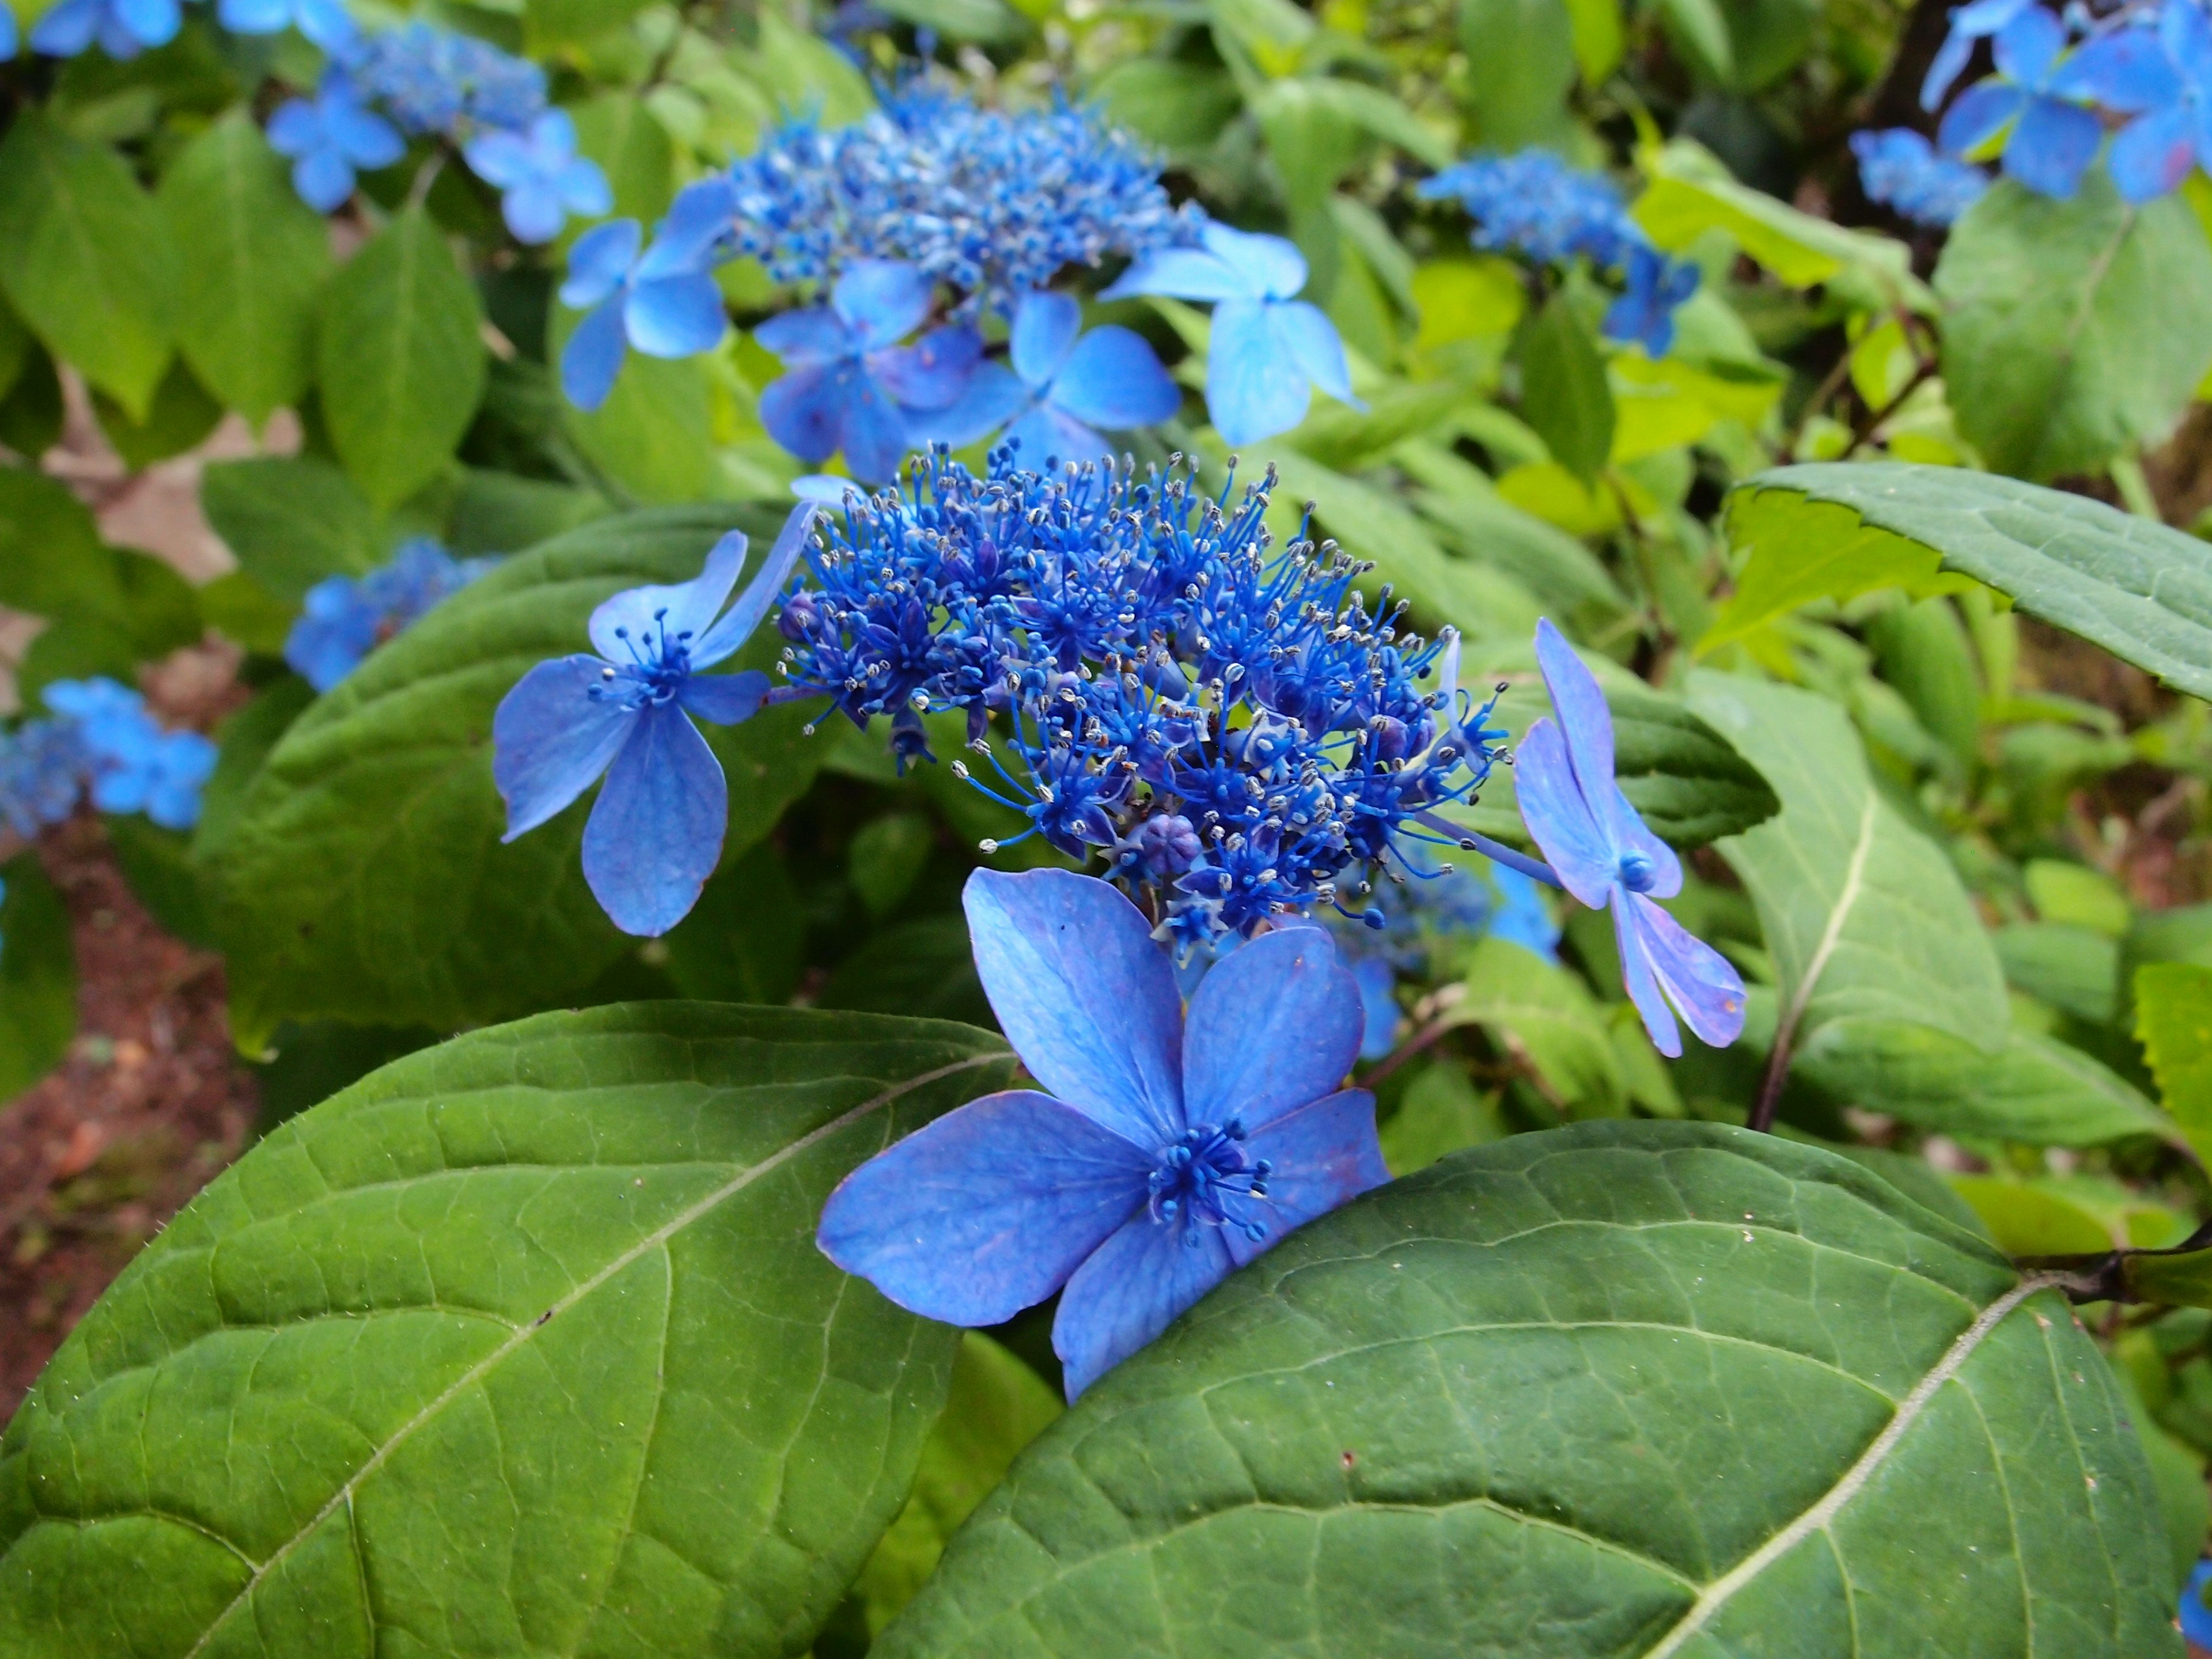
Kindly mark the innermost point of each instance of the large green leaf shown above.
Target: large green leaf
(2141, 590)
(1520, 63)
(401, 359)
(1668, 1390)
(1563, 395)
(86, 258)
(245, 297)
(1864, 915)
(2072, 329)
(363, 876)
(290, 520)
(521, 1345)
(38, 976)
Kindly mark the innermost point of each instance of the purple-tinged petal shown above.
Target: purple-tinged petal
(2028, 46)
(1699, 980)
(1130, 1290)
(1252, 390)
(599, 260)
(551, 739)
(1112, 378)
(725, 699)
(1268, 267)
(987, 1210)
(656, 832)
(1322, 1155)
(593, 357)
(1637, 979)
(322, 179)
(1558, 816)
(674, 317)
(995, 396)
(815, 334)
(2052, 146)
(703, 216)
(739, 621)
(1083, 994)
(621, 625)
(2126, 70)
(2150, 157)
(801, 411)
(1045, 327)
(881, 301)
(1310, 341)
(933, 371)
(873, 429)
(1584, 717)
(1182, 273)
(1273, 1026)
(1981, 112)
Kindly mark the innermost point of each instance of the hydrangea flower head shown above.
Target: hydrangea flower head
(2052, 138)
(849, 382)
(1644, 314)
(542, 179)
(1269, 348)
(1162, 1150)
(132, 764)
(325, 23)
(1901, 169)
(329, 139)
(121, 28)
(1533, 203)
(656, 832)
(1061, 385)
(345, 617)
(663, 301)
(435, 80)
(2163, 77)
(1605, 855)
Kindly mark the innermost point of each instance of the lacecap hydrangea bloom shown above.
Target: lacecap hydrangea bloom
(541, 178)
(130, 763)
(344, 618)
(1900, 168)
(1162, 1150)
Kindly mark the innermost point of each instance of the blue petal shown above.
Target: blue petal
(533, 213)
(322, 179)
(584, 190)
(1699, 980)
(2195, 1617)
(1252, 391)
(872, 429)
(620, 624)
(2186, 33)
(881, 301)
(1949, 63)
(802, 411)
(725, 699)
(551, 739)
(326, 24)
(1267, 267)
(656, 832)
(1112, 378)
(2052, 146)
(2126, 70)
(151, 22)
(1522, 917)
(703, 216)
(995, 396)
(1045, 327)
(1378, 983)
(1129, 1292)
(1312, 342)
(255, 16)
(1586, 723)
(1183, 273)
(1044, 435)
(1552, 807)
(594, 356)
(67, 29)
(933, 371)
(1981, 110)
(815, 334)
(10, 45)
(986, 1210)
(674, 317)
(739, 621)
(1639, 980)
(294, 129)
(1323, 1155)
(1083, 994)
(2150, 157)
(598, 261)
(501, 160)
(1275, 1026)
(367, 139)
(2028, 46)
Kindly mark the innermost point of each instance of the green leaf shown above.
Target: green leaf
(1669, 1390)
(996, 1406)
(2131, 585)
(991, 22)
(158, 865)
(38, 976)
(242, 744)
(1519, 64)
(926, 966)
(2077, 895)
(2173, 1021)
(2026, 1219)
(523, 1343)
(1864, 917)
(618, 132)
(1178, 107)
(1441, 1113)
(86, 258)
(363, 878)
(181, 413)
(399, 358)
(2034, 1091)
(290, 522)
(2072, 970)
(650, 437)
(1545, 1019)
(552, 24)
(52, 562)
(2073, 331)
(1599, 40)
(246, 299)
(745, 938)
(1564, 394)
(1690, 786)
(1699, 29)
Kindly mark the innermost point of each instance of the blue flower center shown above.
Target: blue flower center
(1205, 1180)
(1637, 873)
(659, 664)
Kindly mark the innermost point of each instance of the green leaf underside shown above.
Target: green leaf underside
(1669, 1390)
(363, 878)
(521, 1345)
(2138, 588)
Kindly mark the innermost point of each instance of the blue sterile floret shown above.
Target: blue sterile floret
(331, 137)
(1225, 723)
(1900, 168)
(541, 178)
(2037, 101)
(129, 763)
(121, 28)
(346, 617)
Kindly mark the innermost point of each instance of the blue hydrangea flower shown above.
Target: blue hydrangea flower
(1901, 169)
(656, 832)
(1269, 349)
(1644, 312)
(2163, 77)
(2052, 138)
(542, 178)
(1604, 855)
(1977, 21)
(663, 301)
(849, 383)
(346, 617)
(43, 763)
(131, 764)
(1059, 389)
(1162, 1151)
(435, 80)
(329, 139)
(2195, 1617)
(1533, 204)
(122, 28)
(325, 23)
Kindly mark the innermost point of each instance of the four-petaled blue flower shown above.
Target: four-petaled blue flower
(1603, 854)
(329, 138)
(656, 832)
(542, 178)
(664, 302)
(2052, 138)
(850, 384)
(1644, 312)
(123, 28)
(1163, 1151)
(2164, 78)
(325, 23)
(1900, 168)
(132, 764)
(1269, 349)
(344, 618)
(1059, 389)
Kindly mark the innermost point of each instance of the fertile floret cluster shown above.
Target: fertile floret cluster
(435, 80)
(1224, 721)
(993, 201)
